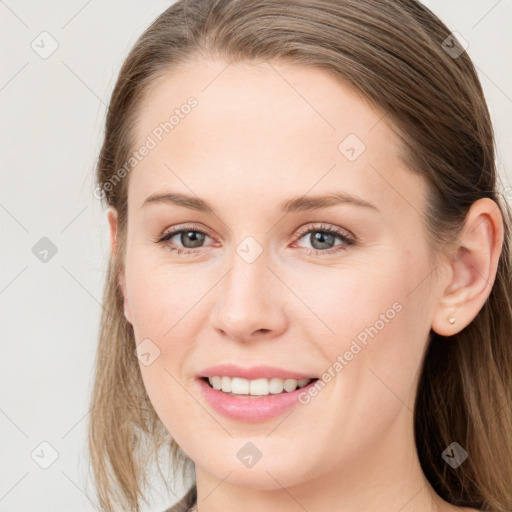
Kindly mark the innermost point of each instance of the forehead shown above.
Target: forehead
(257, 126)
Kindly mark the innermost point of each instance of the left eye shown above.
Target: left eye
(321, 238)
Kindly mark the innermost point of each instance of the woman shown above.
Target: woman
(308, 300)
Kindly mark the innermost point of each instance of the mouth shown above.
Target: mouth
(255, 400)
(240, 387)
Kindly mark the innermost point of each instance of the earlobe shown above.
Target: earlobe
(473, 268)
(112, 220)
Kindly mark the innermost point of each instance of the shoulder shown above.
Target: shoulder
(186, 502)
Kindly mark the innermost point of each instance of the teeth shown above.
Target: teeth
(257, 387)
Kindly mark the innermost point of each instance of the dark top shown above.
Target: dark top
(186, 502)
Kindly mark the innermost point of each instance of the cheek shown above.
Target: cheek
(350, 300)
(374, 318)
(159, 294)
(169, 305)
(165, 324)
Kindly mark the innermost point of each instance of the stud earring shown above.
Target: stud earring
(451, 319)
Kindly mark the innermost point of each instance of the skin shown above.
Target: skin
(255, 140)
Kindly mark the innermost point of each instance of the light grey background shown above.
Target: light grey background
(52, 118)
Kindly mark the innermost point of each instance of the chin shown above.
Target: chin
(273, 474)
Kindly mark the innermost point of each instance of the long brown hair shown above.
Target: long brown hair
(401, 59)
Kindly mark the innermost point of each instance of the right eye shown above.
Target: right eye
(190, 237)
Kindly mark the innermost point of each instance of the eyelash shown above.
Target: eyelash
(347, 240)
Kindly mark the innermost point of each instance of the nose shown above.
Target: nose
(251, 301)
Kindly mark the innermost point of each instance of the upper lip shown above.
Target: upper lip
(253, 372)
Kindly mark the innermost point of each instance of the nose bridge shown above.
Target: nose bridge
(248, 280)
(247, 295)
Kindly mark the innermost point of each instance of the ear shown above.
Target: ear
(112, 220)
(473, 268)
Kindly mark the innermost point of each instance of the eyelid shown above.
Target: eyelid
(182, 227)
(326, 228)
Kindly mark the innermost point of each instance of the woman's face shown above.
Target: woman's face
(267, 285)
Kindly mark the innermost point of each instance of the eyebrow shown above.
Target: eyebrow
(296, 204)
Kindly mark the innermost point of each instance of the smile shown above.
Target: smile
(257, 387)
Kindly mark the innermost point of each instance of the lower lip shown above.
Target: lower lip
(251, 408)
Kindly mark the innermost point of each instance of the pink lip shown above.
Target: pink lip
(252, 373)
(251, 408)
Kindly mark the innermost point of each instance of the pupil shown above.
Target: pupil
(194, 236)
(321, 237)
